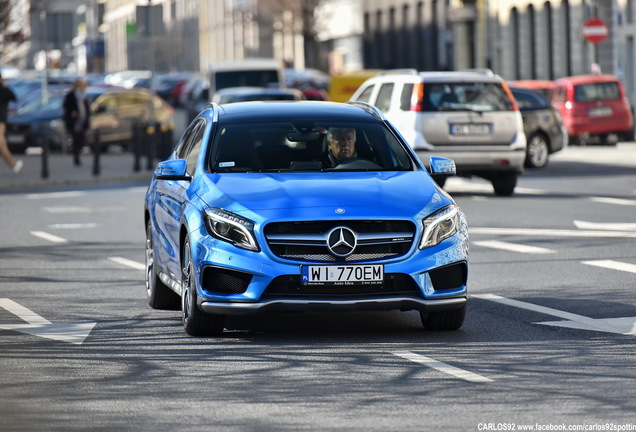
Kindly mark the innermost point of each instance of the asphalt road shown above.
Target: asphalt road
(549, 339)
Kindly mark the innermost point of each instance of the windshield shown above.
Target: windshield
(307, 146)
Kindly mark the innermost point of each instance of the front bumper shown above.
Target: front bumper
(370, 304)
(237, 281)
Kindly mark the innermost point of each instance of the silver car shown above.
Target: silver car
(468, 116)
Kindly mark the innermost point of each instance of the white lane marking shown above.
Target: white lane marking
(442, 367)
(625, 326)
(605, 226)
(613, 265)
(67, 209)
(552, 232)
(458, 184)
(22, 312)
(74, 333)
(128, 263)
(617, 201)
(495, 244)
(607, 325)
(49, 237)
(74, 225)
(55, 195)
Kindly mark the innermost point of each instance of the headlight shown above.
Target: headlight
(439, 226)
(231, 228)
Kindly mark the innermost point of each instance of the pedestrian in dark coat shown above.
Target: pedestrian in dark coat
(77, 116)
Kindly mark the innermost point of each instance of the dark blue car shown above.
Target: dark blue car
(251, 213)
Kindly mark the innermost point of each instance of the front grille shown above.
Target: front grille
(290, 287)
(225, 281)
(308, 241)
(449, 277)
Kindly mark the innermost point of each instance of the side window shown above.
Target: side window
(383, 101)
(184, 143)
(195, 148)
(405, 97)
(365, 96)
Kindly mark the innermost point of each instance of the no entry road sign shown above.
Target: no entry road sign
(595, 30)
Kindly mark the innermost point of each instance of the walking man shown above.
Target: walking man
(77, 116)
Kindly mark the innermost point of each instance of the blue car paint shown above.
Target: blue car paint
(176, 206)
(261, 197)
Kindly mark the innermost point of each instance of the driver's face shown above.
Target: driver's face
(343, 144)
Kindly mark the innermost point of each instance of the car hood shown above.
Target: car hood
(335, 195)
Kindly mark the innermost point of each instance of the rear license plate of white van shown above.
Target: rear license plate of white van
(470, 129)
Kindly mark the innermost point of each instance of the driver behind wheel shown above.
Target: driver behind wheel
(341, 146)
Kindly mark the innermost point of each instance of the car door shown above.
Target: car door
(172, 196)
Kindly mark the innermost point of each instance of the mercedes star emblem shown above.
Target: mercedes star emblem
(341, 241)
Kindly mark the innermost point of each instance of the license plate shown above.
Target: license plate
(470, 129)
(600, 112)
(342, 274)
(15, 139)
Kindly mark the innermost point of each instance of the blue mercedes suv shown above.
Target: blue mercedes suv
(302, 206)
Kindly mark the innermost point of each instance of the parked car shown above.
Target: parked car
(117, 112)
(247, 94)
(469, 116)
(545, 132)
(38, 119)
(245, 217)
(114, 113)
(594, 107)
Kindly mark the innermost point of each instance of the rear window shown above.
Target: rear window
(596, 91)
(478, 96)
(527, 99)
(246, 78)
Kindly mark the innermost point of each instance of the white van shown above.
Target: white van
(255, 72)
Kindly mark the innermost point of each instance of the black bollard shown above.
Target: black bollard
(97, 151)
(151, 145)
(136, 146)
(44, 143)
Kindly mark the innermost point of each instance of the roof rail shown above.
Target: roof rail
(406, 71)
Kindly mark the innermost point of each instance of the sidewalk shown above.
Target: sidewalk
(115, 167)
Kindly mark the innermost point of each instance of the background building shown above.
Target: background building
(518, 39)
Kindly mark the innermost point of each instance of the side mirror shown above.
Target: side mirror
(442, 167)
(174, 169)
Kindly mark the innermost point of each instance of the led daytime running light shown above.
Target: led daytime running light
(440, 226)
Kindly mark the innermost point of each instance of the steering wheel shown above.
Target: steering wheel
(357, 163)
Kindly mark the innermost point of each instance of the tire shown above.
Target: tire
(444, 320)
(160, 296)
(195, 321)
(504, 183)
(537, 151)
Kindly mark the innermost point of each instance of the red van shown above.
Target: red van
(594, 106)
